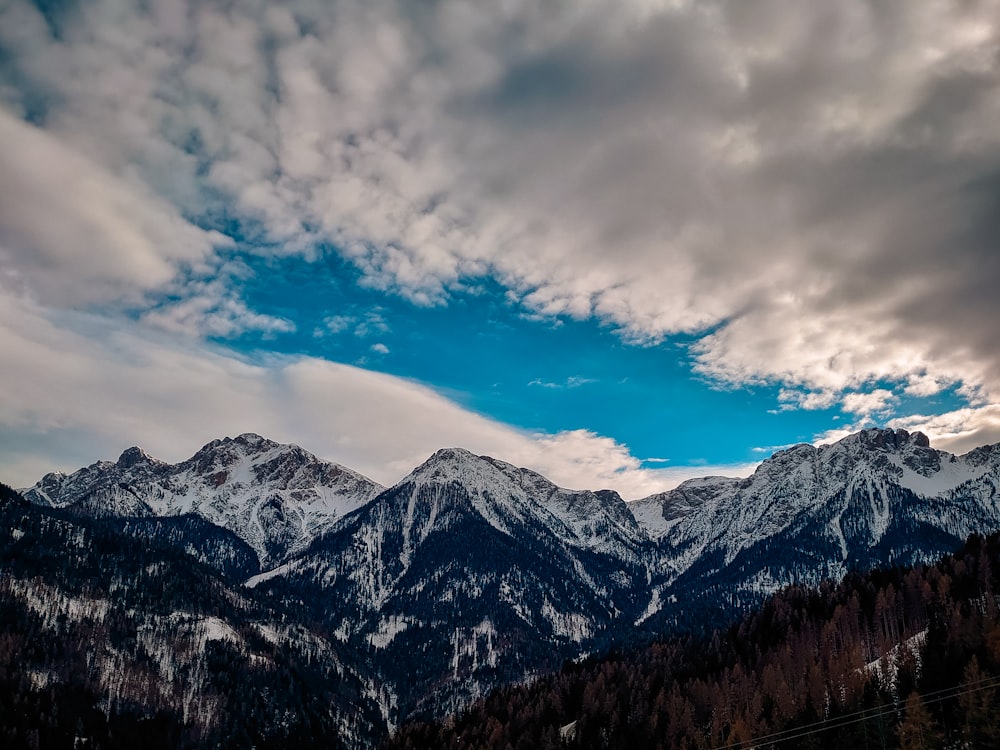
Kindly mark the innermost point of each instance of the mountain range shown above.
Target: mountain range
(471, 573)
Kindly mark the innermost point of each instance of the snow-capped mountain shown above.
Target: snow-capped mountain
(275, 497)
(875, 497)
(134, 644)
(468, 573)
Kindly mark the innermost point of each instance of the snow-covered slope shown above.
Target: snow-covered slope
(275, 497)
(875, 497)
(471, 572)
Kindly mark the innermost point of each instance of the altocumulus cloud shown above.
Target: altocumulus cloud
(809, 188)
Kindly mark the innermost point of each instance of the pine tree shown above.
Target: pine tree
(980, 709)
(918, 730)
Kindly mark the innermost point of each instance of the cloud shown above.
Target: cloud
(809, 191)
(206, 305)
(72, 232)
(380, 348)
(573, 381)
(874, 403)
(957, 431)
(79, 387)
(334, 324)
(583, 459)
(372, 323)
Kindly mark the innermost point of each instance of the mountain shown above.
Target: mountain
(877, 497)
(471, 573)
(893, 658)
(274, 497)
(112, 644)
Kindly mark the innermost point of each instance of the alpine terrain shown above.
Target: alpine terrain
(413, 600)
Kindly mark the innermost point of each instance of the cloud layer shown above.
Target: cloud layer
(810, 188)
(78, 388)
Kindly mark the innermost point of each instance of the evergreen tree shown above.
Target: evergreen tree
(918, 730)
(979, 708)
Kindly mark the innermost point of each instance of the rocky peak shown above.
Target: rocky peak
(132, 456)
(888, 439)
(444, 464)
(253, 442)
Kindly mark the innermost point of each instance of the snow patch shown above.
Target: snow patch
(281, 570)
(570, 625)
(388, 629)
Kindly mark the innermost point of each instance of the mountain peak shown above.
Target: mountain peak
(444, 464)
(888, 439)
(253, 440)
(134, 455)
(452, 454)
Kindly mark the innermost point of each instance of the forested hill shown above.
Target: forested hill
(895, 658)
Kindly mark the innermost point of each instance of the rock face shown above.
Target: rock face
(807, 513)
(277, 498)
(470, 572)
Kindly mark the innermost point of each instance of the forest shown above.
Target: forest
(115, 641)
(906, 658)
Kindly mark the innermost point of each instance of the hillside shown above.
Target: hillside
(893, 658)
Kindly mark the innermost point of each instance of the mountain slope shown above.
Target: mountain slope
(116, 643)
(807, 513)
(470, 573)
(277, 498)
(827, 667)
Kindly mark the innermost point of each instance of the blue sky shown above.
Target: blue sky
(622, 246)
(548, 374)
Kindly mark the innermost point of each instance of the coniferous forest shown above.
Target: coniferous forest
(905, 658)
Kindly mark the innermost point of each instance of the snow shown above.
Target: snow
(950, 476)
(569, 625)
(648, 513)
(215, 629)
(50, 604)
(228, 483)
(475, 644)
(887, 667)
(510, 499)
(568, 732)
(281, 570)
(654, 606)
(388, 629)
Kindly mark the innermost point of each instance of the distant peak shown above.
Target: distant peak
(451, 455)
(132, 456)
(247, 440)
(444, 463)
(253, 439)
(890, 439)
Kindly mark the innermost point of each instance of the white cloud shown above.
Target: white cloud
(873, 403)
(78, 388)
(380, 348)
(957, 431)
(336, 324)
(813, 187)
(72, 232)
(582, 459)
(210, 309)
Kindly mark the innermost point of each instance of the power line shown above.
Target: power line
(857, 717)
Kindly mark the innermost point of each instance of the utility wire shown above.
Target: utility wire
(856, 717)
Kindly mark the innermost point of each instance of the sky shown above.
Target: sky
(620, 243)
